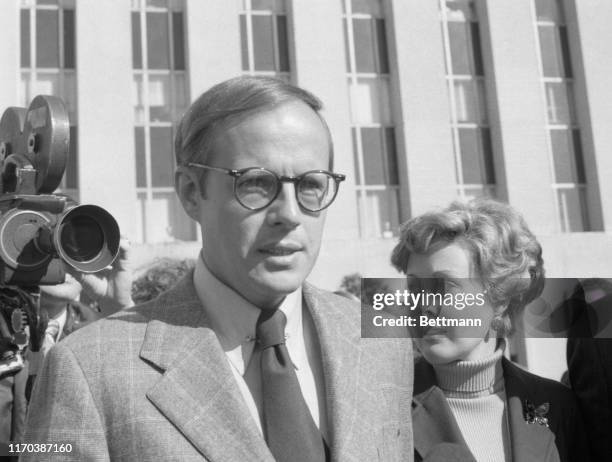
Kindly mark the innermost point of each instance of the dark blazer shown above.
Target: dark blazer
(564, 439)
(153, 383)
(590, 373)
(589, 359)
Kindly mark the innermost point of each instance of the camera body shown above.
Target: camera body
(41, 232)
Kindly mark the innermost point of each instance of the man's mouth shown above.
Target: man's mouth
(280, 250)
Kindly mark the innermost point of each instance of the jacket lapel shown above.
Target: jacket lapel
(339, 339)
(197, 391)
(433, 422)
(530, 442)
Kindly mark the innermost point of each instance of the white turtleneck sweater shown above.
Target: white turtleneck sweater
(477, 397)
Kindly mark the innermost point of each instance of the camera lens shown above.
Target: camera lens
(86, 237)
(82, 238)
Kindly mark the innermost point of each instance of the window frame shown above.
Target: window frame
(363, 189)
(477, 78)
(247, 13)
(572, 130)
(142, 78)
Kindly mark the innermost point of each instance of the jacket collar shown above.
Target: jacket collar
(434, 423)
(197, 391)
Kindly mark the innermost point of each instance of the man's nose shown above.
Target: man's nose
(285, 209)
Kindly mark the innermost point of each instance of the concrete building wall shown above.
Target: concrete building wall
(105, 108)
(520, 112)
(422, 112)
(9, 53)
(213, 43)
(319, 65)
(590, 24)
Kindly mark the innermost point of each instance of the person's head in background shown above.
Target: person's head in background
(161, 276)
(480, 247)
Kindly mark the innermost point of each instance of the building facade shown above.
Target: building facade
(428, 101)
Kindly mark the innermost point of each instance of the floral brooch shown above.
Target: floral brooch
(536, 415)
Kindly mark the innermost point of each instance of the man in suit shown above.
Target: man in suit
(242, 360)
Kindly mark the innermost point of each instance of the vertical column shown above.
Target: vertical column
(105, 113)
(9, 55)
(319, 65)
(591, 41)
(521, 110)
(422, 115)
(213, 43)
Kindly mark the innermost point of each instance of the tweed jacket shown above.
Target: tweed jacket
(153, 383)
(563, 440)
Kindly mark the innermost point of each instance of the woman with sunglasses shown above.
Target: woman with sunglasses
(466, 393)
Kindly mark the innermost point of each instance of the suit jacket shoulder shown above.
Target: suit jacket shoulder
(153, 382)
(368, 382)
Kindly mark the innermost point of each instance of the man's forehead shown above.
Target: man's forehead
(289, 114)
(292, 126)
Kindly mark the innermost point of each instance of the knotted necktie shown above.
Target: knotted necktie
(290, 431)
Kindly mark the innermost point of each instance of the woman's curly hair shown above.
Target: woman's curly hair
(506, 255)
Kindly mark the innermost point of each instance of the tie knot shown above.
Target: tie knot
(270, 328)
(52, 329)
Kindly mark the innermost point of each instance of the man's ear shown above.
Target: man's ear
(188, 189)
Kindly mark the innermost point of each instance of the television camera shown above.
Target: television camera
(41, 232)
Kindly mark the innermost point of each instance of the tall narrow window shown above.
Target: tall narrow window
(160, 98)
(373, 132)
(48, 64)
(562, 124)
(469, 120)
(264, 39)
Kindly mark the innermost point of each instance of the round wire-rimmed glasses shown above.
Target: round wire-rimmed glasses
(255, 188)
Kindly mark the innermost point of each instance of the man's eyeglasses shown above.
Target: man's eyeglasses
(256, 187)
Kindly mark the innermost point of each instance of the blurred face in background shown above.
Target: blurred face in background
(453, 264)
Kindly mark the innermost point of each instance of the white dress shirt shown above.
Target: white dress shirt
(233, 319)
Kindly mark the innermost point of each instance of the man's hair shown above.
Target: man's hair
(229, 102)
(506, 255)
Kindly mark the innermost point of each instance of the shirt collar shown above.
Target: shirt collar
(61, 318)
(233, 318)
